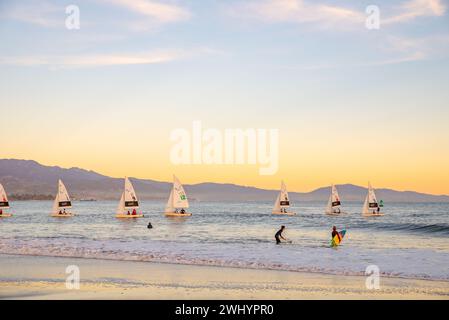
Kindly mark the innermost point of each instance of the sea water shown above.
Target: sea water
(411, 240)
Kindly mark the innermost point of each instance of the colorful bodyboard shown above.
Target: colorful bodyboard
(336, 241)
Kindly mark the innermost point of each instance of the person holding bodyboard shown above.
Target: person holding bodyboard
(337, 237)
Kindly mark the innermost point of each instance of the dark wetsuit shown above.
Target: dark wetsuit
(278, 235)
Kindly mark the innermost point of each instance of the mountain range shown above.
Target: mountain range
(28, 177)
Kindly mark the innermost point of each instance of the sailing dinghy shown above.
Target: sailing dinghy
(334, 205)
(177, 201)
(4, 204)
(282, 202)
(371, 207)
(62, 202)
(129, 204)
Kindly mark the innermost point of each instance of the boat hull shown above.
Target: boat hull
(335, 214)
(174, 214)
(128, 216)
(63, 215)
(5, 215)
(284, 213)
(380, 214)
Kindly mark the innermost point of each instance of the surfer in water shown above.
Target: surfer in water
(278, 236)
(335, 233)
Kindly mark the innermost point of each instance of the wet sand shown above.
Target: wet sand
(31, 277)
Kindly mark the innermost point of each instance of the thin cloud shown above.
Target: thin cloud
(400, 49)
(324, 15)
(296, 11)
(416, 8)
(43, 14)
(418, 56)
(103, 60)
(162, 12)
(433, 46)
(150, 14)
(99, 60)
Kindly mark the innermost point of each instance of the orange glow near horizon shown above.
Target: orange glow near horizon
(303, 176)
(304, 164)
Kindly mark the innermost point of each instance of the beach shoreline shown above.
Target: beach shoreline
(43, 277)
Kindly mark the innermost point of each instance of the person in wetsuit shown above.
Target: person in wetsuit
(278, 236)
(335, 233)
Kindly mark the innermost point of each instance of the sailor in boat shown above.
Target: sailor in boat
(337, 210)
(60, 211)
(128, 213)
(335, 233)
(134, 212)
(63, 211)
(278, 236)
(183, 211)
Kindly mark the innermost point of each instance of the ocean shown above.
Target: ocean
(411, 240)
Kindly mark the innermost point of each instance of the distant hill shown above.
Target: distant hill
(28, 177)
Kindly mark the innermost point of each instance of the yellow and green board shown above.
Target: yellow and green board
(336, 241)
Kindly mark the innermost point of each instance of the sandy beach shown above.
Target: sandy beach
(32, 277)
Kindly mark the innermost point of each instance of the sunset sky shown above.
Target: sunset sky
(352, 105)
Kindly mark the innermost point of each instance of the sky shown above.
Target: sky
(351, 104)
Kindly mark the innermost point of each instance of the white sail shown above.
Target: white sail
(277, 206)
(130, 197)
(334, 204)
(372, 197)
(4, 204)
(370, 204)
(282, 200)
(169, 207)
(179, 196)
(62, 199)
(121, 204)
(365, 206)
